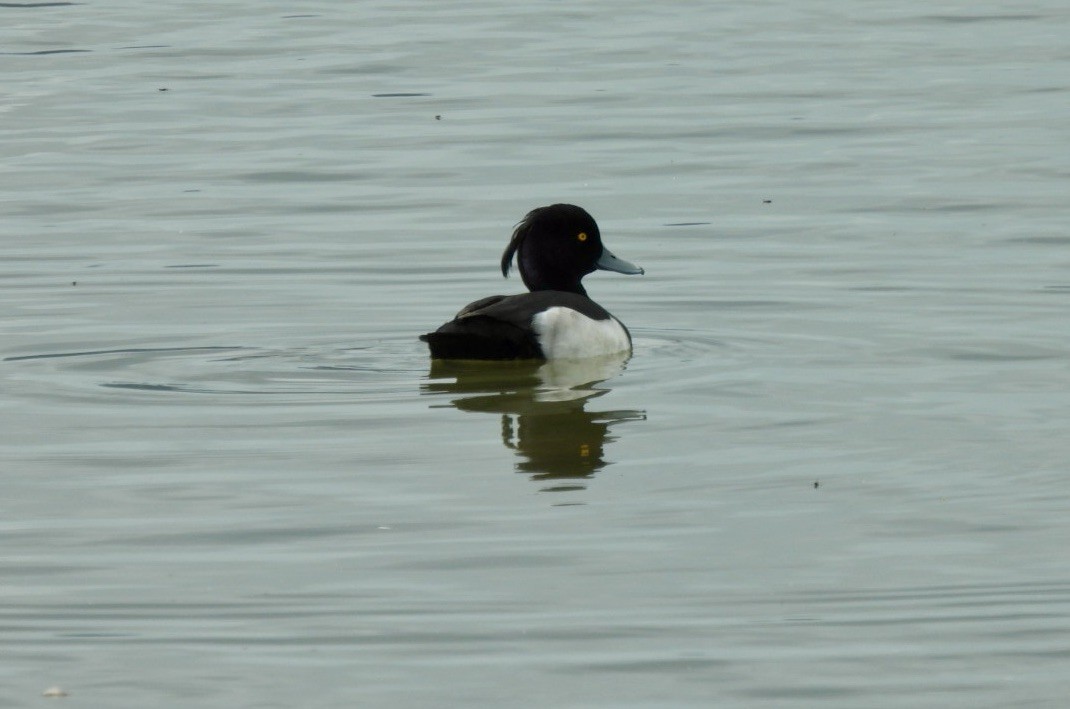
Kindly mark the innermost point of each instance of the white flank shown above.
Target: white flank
(566, 334)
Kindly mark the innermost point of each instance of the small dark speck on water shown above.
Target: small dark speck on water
(767, 201)
(438, 116)
(817, 484)
(74, 283)
(162, 89)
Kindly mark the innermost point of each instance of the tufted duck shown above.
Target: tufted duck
(555, 247)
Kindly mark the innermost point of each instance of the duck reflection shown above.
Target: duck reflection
(542, 408)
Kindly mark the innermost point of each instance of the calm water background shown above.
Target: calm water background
(832, 474)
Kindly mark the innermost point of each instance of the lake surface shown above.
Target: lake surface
(833, 473)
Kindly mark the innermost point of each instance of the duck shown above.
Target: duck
(555, 247)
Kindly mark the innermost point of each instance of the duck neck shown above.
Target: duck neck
(545, 275)
(535, 282)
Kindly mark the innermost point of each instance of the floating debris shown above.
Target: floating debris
(54, 692)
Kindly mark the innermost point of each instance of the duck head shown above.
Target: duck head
(556, 246)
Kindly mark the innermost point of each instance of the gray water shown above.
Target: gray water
(833, 473)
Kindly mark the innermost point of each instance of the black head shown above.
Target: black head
(556, 246)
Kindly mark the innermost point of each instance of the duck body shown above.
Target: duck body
(555, 247)
(546, 324)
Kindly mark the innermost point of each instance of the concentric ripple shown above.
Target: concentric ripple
(383, 368)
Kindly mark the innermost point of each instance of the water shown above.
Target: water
(832, 474)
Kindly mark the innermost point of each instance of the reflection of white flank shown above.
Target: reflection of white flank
(570, 379)
(566, 334)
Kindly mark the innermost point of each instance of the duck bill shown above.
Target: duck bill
(609, 262)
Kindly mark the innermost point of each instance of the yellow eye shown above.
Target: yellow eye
(582, 236)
